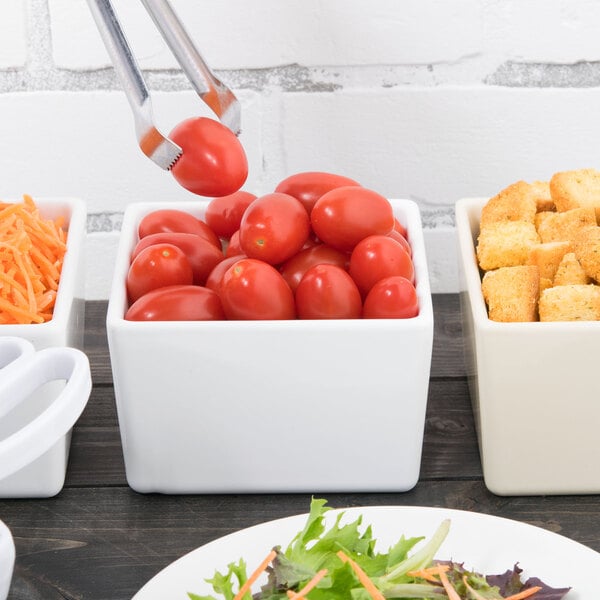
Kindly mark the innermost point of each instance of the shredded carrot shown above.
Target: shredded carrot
(257, 573)
(525, 593)
(429, 573)
(32, 251)
(362, 577)
(309, 586)
(452, 593)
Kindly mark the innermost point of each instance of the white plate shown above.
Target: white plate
(484, 543)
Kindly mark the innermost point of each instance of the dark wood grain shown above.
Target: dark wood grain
(100, 540)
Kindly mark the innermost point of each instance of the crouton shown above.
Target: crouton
(576, 189)
(540, 191)
(514, 203)
(570, 272)
(505, 244)
(570, 303)
(547, 257)
(512, 293)
(565, 226)
(587, 251)
(541, 216)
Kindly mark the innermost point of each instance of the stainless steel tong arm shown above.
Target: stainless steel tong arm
(213, 92)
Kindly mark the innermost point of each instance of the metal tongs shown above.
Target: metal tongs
(220, 99)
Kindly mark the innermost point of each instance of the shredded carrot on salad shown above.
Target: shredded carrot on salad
(32, 251)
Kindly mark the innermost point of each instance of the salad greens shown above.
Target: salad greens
(341, 563)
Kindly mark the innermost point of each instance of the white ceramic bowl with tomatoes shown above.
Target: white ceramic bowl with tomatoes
(269, 404)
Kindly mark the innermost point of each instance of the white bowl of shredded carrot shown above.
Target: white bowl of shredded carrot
(42, 302)
(41, 279)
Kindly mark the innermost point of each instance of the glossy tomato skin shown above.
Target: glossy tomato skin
(377, 257)
(295, 267)
(346, 215)
(254, 290)
(327, 292)
(233, 247)
(396, 235)
(400, 229)
(170, 220)
(177, 303)
(309, 186)
(213, 281)
(213, 162)
(274, 228)
(391, 298)
(203, 255)
(224, 214)
(157, 266)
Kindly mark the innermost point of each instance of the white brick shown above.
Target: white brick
(236, 34)
(13, 34)
(436, 145)
(562, 31)
(83, 144)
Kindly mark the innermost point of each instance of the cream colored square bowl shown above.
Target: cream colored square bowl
(270, 406)
(534, 387)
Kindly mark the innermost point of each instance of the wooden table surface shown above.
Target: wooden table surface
(100, 540)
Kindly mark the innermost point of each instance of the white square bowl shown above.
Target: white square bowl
(534, 389)
(270, 406)
(45, 476)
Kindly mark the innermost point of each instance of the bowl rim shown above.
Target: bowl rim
(409, 216)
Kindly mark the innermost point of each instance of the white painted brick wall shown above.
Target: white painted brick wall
(426, 99)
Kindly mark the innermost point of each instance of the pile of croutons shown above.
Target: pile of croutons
(539, 248)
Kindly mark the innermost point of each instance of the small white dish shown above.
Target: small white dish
(7, 560)
(45, 476)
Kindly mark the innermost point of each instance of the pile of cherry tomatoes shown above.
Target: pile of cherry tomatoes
(320, 246)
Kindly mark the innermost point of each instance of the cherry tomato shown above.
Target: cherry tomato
(376, 257)
(400, 229)
(224, 215)
(158, 266)
(327, 292)
(213, 162)
(346, 215)
(253, 289)
(203, 256)
(274, 227)
(396, 235)
(213, 281)
(169, 220)
(391, 298)
(309, 186)
(233, 247)
(177, 303)
(294, 268)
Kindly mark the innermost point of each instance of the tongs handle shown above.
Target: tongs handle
(212, 91)
(156, 146)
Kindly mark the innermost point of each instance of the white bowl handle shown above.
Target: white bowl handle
(15, 352)
(7, 560)
(13, 349)
(16, 384)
